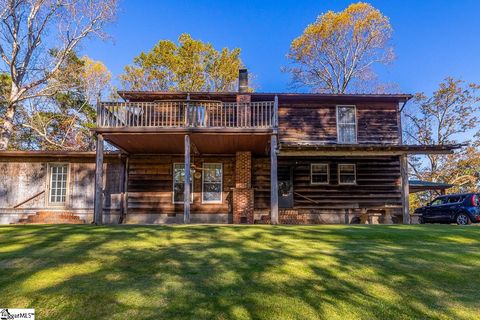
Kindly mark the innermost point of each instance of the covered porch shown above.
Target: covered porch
(166, 143)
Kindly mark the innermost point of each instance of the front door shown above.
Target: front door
(285, 187)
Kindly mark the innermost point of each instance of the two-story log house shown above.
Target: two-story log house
(248, 157)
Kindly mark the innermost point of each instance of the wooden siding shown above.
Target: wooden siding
(28, 176)
(378, 183)
(150, 185)
(261, 183)
(377, 123)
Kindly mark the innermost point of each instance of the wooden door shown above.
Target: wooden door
(285, 186)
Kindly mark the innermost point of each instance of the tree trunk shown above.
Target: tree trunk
(6, 128)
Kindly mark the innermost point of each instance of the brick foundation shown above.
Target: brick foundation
(53, 217)
(243, 205)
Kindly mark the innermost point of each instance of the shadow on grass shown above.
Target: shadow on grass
(241, 272)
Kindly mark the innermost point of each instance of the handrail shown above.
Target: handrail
(29, 199)
(188, 114)
(306, 198)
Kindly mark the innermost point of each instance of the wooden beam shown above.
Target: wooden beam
(124, 188)
(98, 209)
(405, 189)
(275, 112)
(186, 194)
(160, 130)
(273, 180)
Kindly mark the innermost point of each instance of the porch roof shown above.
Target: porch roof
(304, 149)
(54, 153)
(420, 185)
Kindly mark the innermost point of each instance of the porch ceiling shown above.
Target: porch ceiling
(202, 143)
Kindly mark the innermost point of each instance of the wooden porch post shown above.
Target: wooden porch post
(273, 180)
(124, 188)
(405, 189)
(186, 194)
(98, 206)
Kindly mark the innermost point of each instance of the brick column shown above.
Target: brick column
(243, 192)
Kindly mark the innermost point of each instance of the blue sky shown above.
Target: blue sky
(432, 39)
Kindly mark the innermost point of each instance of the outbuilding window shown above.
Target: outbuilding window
(58, 179)
(212, 177)
(346, 124)
(347, 174)
(178, 183)
(319, 173)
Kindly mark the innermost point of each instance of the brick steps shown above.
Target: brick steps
(285, 217)
(53, 217)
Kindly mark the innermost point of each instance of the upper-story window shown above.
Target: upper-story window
(346, 124)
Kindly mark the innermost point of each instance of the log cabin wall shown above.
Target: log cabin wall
(377, 188)
(150, 191)
(302, 122)
(26, 177)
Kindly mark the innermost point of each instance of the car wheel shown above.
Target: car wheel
(462, 219)
(421, 220)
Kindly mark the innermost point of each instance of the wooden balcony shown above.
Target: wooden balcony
(188, 115)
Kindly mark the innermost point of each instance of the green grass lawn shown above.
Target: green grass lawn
(241, 272)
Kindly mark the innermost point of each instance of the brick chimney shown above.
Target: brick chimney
(243, 96)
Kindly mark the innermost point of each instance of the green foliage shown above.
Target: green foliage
(64, 119)
(192, 65)
(5, 85)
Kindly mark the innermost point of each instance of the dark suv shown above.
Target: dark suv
(459, 208)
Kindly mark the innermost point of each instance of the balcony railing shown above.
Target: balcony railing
(188, 114)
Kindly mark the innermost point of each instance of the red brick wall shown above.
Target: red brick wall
(243, 170)
(243, 193)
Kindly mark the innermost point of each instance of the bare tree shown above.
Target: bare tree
(447, 117)
(36, 38)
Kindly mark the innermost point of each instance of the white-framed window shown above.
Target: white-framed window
(58, 183)
(212, 183)
(347, 173)
(346, 124)
(178, 183)
(319, 173)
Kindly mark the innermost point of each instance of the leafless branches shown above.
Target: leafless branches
(36, 38)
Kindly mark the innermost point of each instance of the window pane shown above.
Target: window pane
(346, 173)
(346, 125)
(178, 191)
(212, 172)
(317, 178)
(319, 173)
(319, 168)
(212, 192)
(58, 183)
(179, 172)
(212, 182)
(346, 115)
(346, 133)
(347, 179)
(347, 168)
(178, 182)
